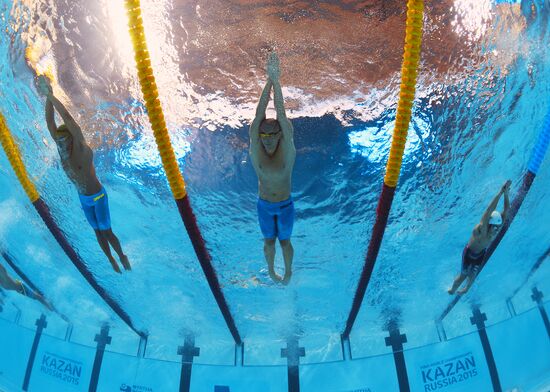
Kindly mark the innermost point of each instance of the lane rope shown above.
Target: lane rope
(151, 97)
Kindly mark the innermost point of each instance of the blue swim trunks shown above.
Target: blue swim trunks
(96, 209)
(276, 219)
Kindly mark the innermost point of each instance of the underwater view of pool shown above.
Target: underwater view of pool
(377, 241)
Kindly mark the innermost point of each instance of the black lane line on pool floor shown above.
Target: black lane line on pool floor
(205, 260)
(292, 353)
(537, 297)
(103, 339)
(396, 340)
(382, 214)
(534, 269)
(142, 347)
(41, 324)
(188, 352)
(346, 348)
(478, 319)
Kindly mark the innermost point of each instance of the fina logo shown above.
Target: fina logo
(135, 388)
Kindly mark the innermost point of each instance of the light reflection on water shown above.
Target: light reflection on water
(373, 142)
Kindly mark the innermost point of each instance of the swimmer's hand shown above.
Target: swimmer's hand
(506, 186)
(44, 86)
(273, 67)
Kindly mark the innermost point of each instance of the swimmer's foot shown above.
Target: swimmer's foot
(462, 291)
(286, 279)
(276, 278)
(125, 263)
(114, 265)
(451, 291)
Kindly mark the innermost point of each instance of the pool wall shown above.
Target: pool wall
(510, 355)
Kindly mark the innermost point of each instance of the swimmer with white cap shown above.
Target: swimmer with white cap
(482, 236)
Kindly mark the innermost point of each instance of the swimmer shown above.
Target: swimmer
(482, 236)
(272, 153)
(7, 283)
(77, 161)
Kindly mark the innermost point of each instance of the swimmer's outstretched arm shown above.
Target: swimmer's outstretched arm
(504, 212)
(45, 89)
(52, 103)
(50, 118)
(274, 73)
(264, 100)
(69, 121)
(492, 206)
(260, 112)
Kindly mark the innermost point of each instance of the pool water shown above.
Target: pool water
(483, 92)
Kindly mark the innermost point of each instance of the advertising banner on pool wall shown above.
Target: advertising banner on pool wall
(520, 348)
(457, 365)
(61, 366)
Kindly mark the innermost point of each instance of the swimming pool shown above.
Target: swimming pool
(482, 96)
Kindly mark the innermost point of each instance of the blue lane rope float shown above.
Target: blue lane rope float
(541, 146)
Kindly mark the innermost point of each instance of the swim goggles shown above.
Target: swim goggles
(264, 135)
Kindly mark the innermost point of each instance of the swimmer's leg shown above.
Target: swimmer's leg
(103, 216)
(103, 242)
(113, 240)
(269, 253)
(468, 285)
(457, 282)
(288, 255)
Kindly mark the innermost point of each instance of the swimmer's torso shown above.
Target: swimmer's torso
(274, 172)
(78, 164)
(480, 239)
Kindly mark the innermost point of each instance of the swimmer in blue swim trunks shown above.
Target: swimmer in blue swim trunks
(482, 236)
(272, 153)
(77, 160)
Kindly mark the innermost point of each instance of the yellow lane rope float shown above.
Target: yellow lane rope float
(411, 56)
(14, 156)
(152, 102)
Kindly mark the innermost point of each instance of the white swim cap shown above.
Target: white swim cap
(496, 218)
